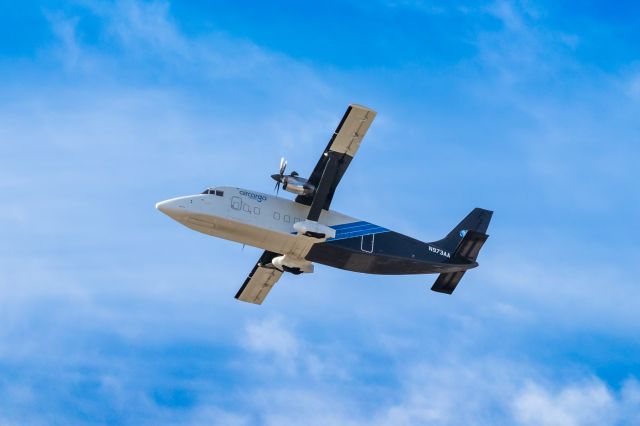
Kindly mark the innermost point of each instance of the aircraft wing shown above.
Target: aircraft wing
(260, 280)
(341, 149)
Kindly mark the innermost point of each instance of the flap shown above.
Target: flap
(260, 281)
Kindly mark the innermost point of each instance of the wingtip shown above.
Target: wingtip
(363, 107)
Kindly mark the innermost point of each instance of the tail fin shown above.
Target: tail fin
(478, 221)
(465, 241)
(467, 250)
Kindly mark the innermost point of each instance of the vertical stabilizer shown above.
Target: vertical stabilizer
(465, 242)
(478, 221)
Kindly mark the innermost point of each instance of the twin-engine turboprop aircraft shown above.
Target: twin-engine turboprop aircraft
(295, 234)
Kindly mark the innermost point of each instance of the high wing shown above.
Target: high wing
(260, 280)
(341, 149)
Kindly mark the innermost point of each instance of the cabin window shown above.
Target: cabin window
(219, 193)
(287, 218)
(276, 215)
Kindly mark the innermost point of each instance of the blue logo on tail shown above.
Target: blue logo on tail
(463, 233)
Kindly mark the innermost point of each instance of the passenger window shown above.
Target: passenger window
(287, 218)
(276, 215)
(256, 210)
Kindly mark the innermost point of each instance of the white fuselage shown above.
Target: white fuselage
(248, 217)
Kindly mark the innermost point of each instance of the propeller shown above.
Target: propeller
(279, 178)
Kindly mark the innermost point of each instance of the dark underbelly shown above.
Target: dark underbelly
(370, 263)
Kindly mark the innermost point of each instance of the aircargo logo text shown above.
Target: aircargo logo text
(257, 197)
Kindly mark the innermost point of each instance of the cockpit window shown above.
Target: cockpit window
(213, 191)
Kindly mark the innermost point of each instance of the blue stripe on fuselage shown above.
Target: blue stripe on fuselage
(356, 229)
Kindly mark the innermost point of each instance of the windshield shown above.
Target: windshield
(213, 191)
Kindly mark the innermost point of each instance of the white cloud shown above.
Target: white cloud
(271, 337)
(147, 25)
(285, 353)
(537, 292)
(520, 52)
(440, 389)
(581, 404)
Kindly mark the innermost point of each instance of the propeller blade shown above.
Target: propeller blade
(279, 178)
(283, 165)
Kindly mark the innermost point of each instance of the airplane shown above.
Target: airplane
(296, 234)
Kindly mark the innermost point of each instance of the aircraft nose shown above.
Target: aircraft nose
(174, 207)
(163, 206)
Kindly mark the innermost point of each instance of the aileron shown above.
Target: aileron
(352, 129)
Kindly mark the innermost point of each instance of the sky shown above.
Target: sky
(112, 313)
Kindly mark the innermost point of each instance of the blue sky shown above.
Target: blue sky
(111, 313)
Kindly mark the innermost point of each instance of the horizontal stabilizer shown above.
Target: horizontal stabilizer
(446, 283)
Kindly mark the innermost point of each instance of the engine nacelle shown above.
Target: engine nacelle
(314, 229)
(297, 185)
(291, 264)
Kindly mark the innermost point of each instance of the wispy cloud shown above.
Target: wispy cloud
(587, 403)
(65, 29)
(439, 391)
